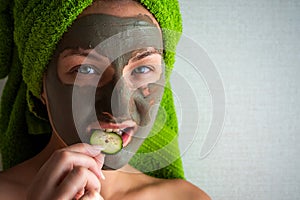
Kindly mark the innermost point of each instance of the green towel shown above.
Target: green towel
(29, 33)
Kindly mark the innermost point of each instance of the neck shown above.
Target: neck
(120, 182)
(54, 144)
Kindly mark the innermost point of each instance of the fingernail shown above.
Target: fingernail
(100, 148)
(102, 175)
(100, 160)
(95, 150)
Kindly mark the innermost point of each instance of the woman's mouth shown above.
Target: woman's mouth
(125, 130)
(126, 134)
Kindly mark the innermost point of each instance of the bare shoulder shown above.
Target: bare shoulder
(183, 189)
(172, 189)
(10, 187)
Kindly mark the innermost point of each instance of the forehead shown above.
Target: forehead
(120, 8)
(114, 8)
(99, 23)
(111, 35)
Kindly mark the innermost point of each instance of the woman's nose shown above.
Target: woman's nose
(115, 98)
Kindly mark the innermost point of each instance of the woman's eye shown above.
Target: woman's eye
(86, 69)
(141, 70)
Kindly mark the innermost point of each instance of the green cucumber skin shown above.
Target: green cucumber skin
(99, 137)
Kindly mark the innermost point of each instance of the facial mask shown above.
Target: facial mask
(106, 73)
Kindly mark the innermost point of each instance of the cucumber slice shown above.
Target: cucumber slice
(111, 142)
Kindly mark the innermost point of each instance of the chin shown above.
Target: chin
(122, 158)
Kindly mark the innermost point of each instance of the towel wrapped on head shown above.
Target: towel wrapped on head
(29, 33)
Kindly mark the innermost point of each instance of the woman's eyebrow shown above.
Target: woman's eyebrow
(144, 53)
(81, 52)
(137, 55)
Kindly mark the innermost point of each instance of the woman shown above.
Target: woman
(107, 81)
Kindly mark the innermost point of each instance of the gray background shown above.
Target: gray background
(255, 47)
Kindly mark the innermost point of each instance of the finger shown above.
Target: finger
(76, 181)
(61, 162)
(100, 160)
(91, 195)
(90, 150)
(79, 194)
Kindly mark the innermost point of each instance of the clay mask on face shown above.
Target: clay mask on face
(107, 73)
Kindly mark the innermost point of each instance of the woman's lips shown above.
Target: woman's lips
(125, 129)
(127, 136)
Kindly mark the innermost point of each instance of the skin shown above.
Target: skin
(68, 172)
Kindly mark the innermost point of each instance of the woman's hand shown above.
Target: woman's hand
(73, 172)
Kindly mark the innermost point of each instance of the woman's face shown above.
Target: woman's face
(107, 74)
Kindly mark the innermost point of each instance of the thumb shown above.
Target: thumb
(91, 195)
(100, 161)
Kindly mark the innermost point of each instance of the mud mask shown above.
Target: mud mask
(106, 73)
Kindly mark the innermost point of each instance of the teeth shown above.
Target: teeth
(118, 131)
(108, 130)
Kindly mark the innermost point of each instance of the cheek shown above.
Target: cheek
(61, 103)
(60, 111)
